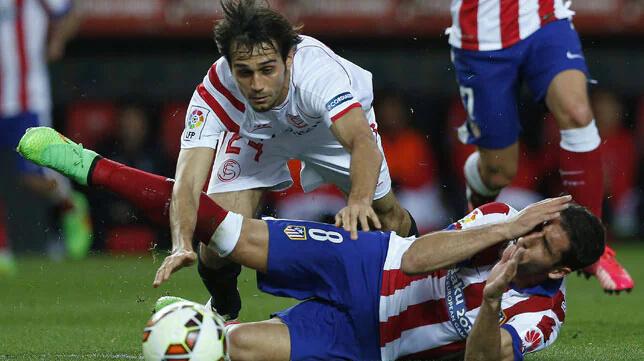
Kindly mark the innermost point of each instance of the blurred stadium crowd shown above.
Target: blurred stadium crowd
(126, 79)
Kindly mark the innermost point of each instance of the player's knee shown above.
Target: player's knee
(240, 344)
(498, 175)
(576, 115)
(210, 258)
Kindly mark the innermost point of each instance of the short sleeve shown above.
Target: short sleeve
(202, 128)
(324, 83)
(532, 332)
(57, 8)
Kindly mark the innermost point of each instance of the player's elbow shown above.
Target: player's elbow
(412, 263)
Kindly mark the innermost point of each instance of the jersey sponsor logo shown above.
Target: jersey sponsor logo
(296, 121)
(572, 56)
(455, 300)
(295, 233)
(259, 126)
(531, 341)
(305, 130)
(339, 99)
(195, 121)
(229, 170)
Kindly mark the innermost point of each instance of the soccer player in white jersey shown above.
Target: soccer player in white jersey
(32, 32)
(380, 296)
(495, 45)
(276, 95)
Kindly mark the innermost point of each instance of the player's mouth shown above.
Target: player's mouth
(260, 99)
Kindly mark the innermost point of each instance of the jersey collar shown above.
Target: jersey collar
(547, 288)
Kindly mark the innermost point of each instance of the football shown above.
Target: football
(184, 331)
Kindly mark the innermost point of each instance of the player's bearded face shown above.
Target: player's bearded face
(261, 75)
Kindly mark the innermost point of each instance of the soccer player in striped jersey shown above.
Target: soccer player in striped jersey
(495, 45)
(31, 33)
(276, 95)
(380, 296)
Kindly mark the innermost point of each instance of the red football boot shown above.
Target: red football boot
(611, 275)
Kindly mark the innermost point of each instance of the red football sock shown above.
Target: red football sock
(581, 175)
(151, 194)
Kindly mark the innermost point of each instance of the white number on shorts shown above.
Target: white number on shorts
(467, 96)
(322, 235)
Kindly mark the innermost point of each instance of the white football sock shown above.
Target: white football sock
(225, 238)
(473, 177)
(579, 140)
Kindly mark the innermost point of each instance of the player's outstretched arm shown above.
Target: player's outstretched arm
(193, 166)
(444, 248)
(353, 132)
(488, 341)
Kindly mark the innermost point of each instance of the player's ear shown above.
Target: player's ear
(559, 273)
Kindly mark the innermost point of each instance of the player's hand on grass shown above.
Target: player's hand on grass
(535, 215)
(175, 261)
(502, 273)
(354, 213)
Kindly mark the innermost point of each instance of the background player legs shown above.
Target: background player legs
(488, 171)
(393, 216)
(580, 162)
(219, 275)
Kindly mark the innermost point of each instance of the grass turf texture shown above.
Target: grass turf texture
(95, 309)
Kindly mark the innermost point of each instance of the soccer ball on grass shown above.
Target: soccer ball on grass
(184, 331)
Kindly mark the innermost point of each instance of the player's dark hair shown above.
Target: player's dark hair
(587, 237)
(247, 25)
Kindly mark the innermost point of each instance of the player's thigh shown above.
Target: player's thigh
(322, 331)
(555, 56)
(310, 259)
(499, 166)
(567, 99)
(266, 340)
(488, 85)
(245, 202)
(244, 164)
(331, 163)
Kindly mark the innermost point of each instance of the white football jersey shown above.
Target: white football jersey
(323, 87)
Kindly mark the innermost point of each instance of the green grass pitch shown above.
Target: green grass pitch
(95, 310)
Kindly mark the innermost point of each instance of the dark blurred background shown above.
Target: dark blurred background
(127, 77)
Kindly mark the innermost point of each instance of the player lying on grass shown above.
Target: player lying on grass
(380, 296)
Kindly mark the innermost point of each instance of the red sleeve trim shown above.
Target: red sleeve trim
(216, 82)
(345, 111)
(217, 108)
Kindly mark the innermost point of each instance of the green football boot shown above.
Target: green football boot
(48, 148)
(166, 300)
(77, 227)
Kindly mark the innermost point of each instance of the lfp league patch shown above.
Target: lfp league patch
(295, 233)
(195, 120)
